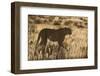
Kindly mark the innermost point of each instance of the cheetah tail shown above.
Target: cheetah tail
(37, 41)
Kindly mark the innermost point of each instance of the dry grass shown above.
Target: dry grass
(74, 46)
